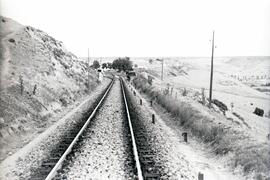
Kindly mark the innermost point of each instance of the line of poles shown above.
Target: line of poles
(162, 69)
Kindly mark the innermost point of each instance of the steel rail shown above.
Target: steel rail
(63, 157)
(135, 151)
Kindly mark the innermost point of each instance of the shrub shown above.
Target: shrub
(63, 101)
(95, 64)
(259, 111)
(11, 40)
(122, 64)
(221, 105)
(184, 93)
(34, 90)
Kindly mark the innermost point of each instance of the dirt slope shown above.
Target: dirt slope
(38, 79)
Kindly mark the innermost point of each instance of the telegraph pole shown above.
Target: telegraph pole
(211, 75)
(88, 70)
(162, 66)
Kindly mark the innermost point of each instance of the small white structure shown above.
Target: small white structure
(100, 75)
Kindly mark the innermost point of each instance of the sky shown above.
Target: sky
(149, 27)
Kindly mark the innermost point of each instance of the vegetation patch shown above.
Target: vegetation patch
(11, 40)
(249, 156)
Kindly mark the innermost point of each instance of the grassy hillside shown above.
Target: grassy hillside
(236, 134)
(229, 85)
(38, 79)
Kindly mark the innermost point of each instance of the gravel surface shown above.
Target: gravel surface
(27, 160)
(104, 151)
(164, 146)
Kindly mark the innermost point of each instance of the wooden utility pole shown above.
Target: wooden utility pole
(211, 75)
(162, 66)
(88, 70)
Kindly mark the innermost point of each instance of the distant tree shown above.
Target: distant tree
(122, 64)
(104, 65)
(150, 61)
(135, 65)
(95, 64)
(109, 65)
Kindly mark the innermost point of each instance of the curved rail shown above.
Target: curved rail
(134, 146)
(63, 157)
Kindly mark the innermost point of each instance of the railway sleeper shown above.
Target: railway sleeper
(145, 151)
(148, 163)
(151, 176)
(54, 160)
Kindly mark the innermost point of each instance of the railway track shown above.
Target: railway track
(49, 165)
(146, 153)
(81, 153)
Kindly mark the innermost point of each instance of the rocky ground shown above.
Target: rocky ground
(104, 151)
(164, 146)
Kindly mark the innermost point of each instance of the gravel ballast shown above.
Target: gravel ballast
(104, 150)
(163, 144)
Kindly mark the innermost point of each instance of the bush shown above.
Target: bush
(63, 101)
(184, 93)
(122, 64)
(95, 64)
(259, 111)
(221, 105)
(11, 40)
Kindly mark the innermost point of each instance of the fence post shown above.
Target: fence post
(21, 84)
(153, 118)
(184, 134)
(203, 96)
(35, 88)
(200, 176)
